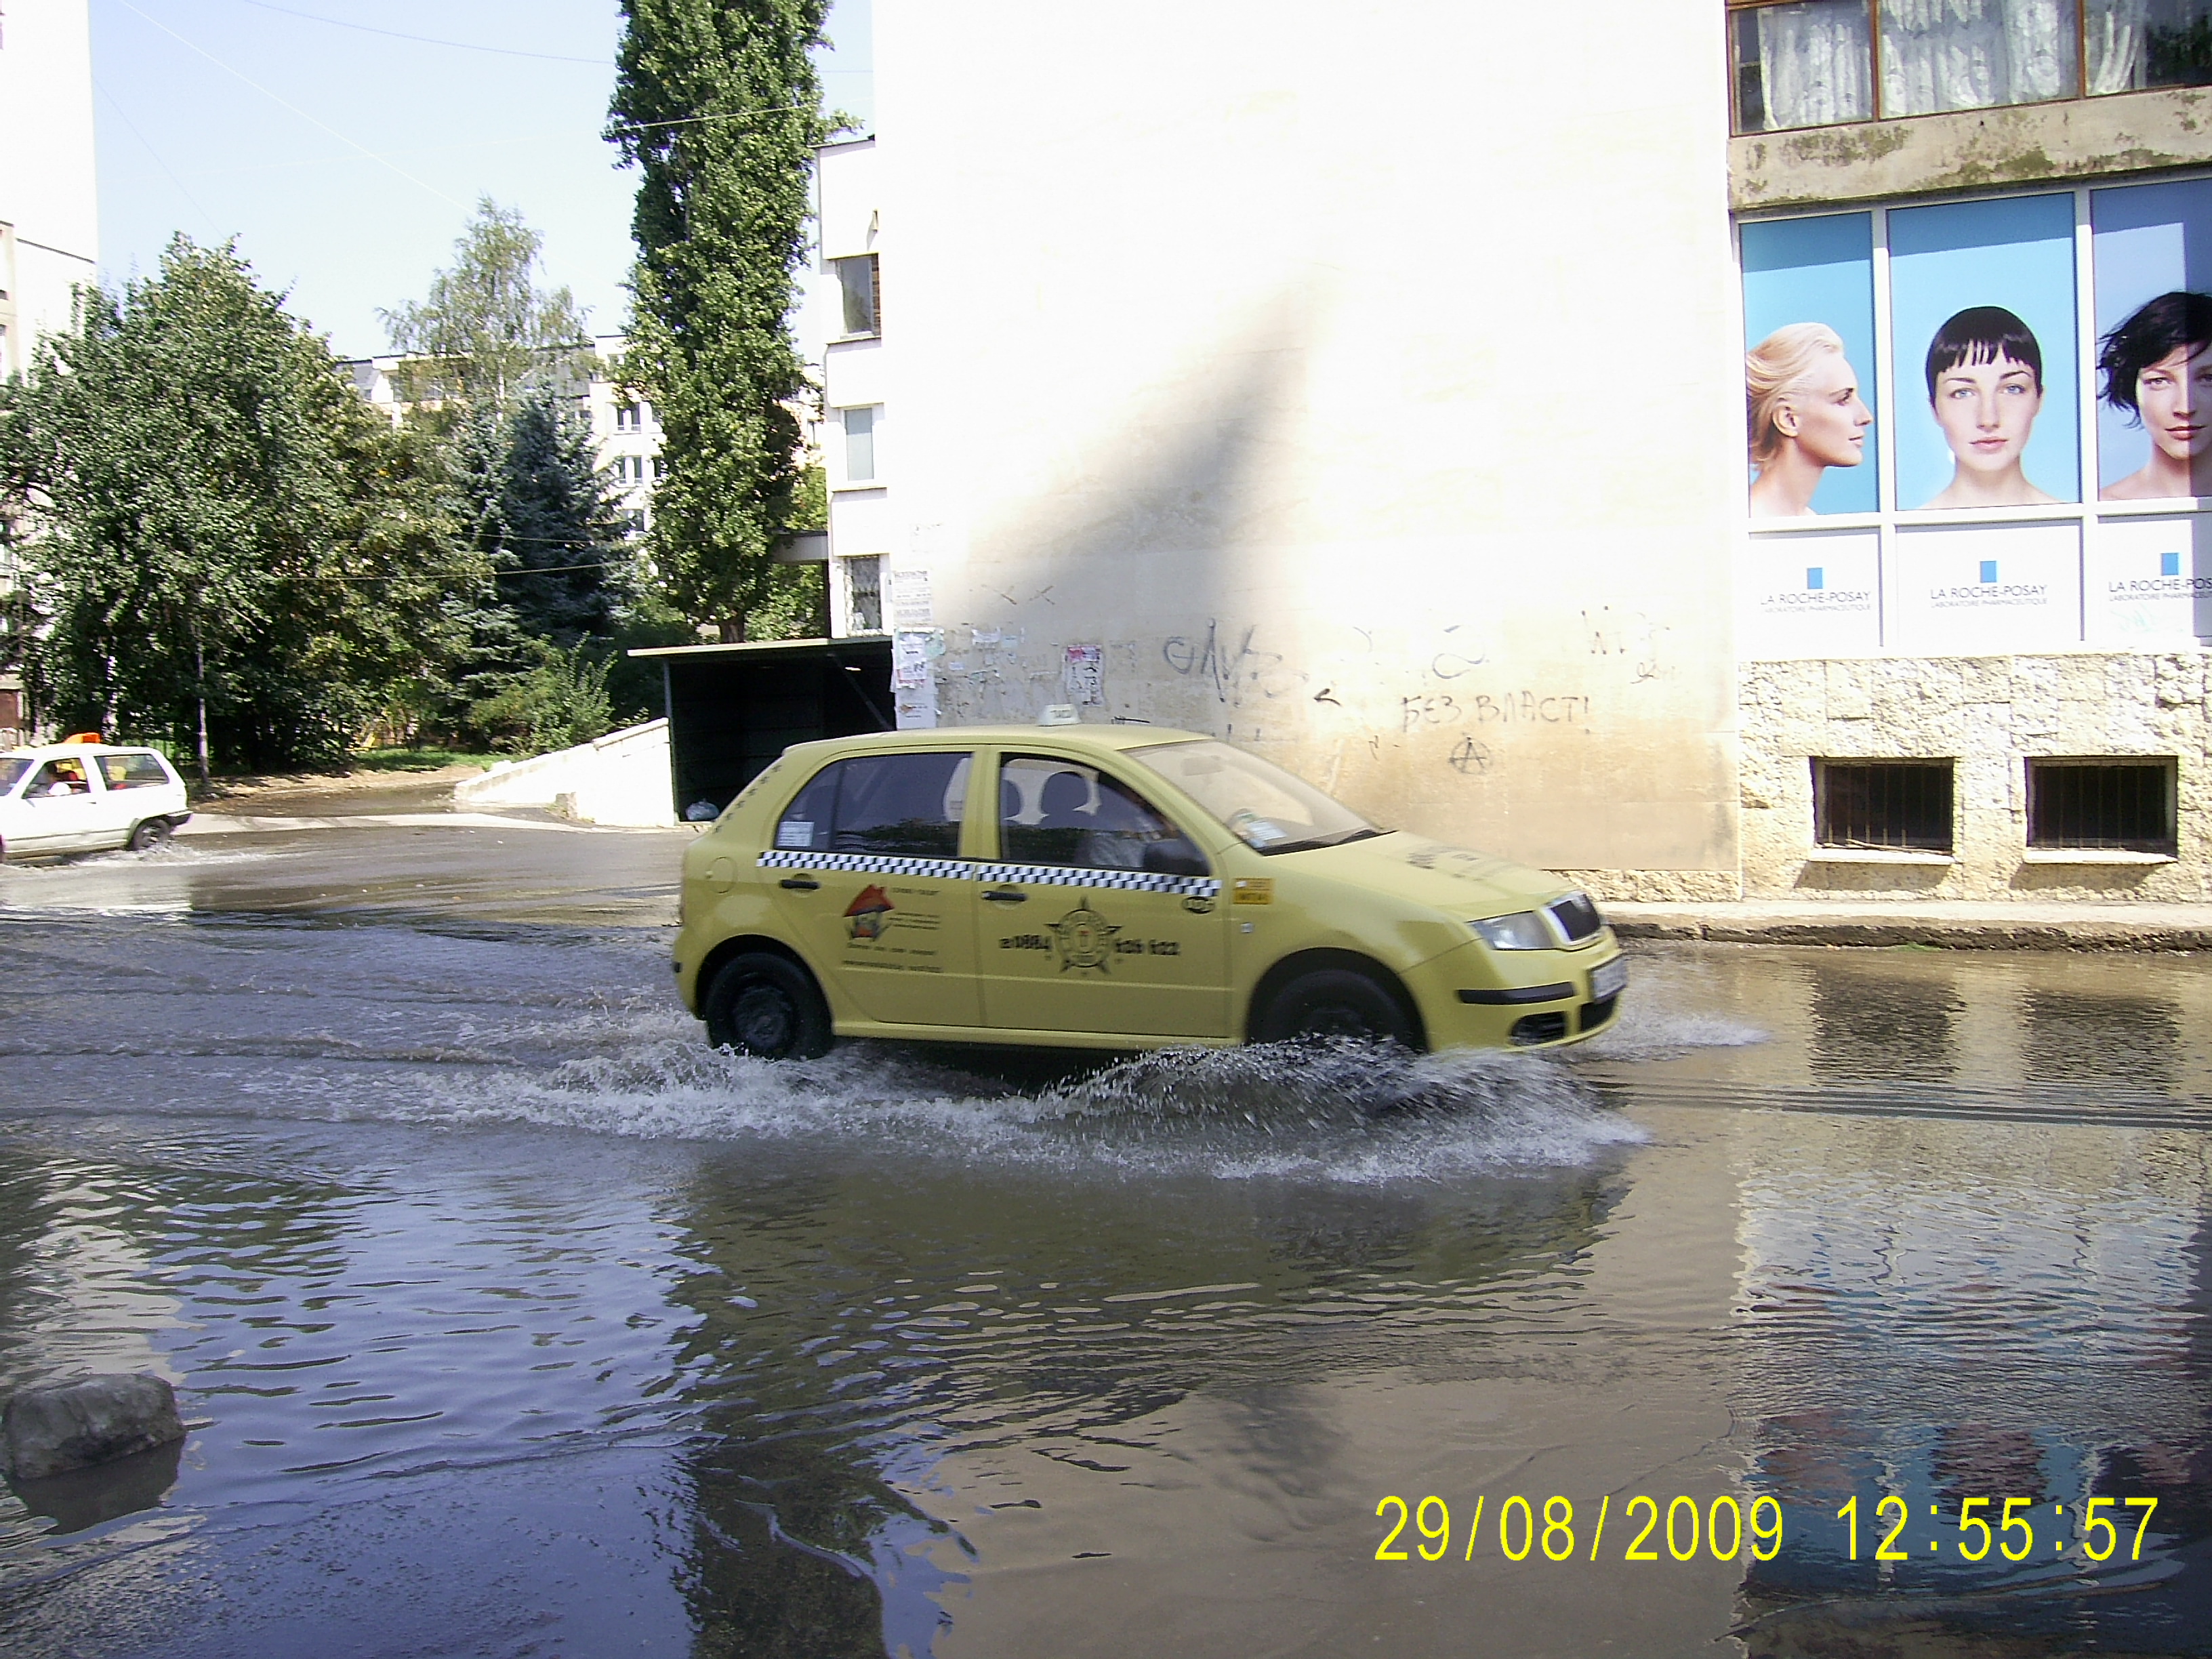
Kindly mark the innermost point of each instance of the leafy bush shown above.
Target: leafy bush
(560, 702)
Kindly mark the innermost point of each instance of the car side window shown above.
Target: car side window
(1059, 812)
(895, 806)
(140, 771)
(59, 777)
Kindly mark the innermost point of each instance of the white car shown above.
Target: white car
(86, 798)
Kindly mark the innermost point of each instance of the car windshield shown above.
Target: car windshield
(12, 767)
(1258, 802)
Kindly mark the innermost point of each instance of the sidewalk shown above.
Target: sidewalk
(1958, 925)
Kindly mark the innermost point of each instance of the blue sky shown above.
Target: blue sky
(345, 160)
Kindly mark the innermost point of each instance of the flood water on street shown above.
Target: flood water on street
(512, 1321)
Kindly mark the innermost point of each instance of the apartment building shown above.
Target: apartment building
(625, 431)
(49, 204)
(1764, 459)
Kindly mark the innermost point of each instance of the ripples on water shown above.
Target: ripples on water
(485, 1276)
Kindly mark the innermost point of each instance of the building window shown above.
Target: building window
(626, 417)
(2119, 805)
(864, 595)
(859, 445)
(1816, 63)
(859, 281)
(1895, 805)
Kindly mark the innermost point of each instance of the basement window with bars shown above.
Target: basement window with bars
(2101, 805)
(1902, 806)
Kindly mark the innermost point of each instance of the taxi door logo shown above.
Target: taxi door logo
(867, 916)
(1085, 939)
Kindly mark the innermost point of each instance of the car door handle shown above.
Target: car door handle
(800, 883)
(1001, 895)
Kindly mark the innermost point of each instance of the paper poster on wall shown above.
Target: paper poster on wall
(2152, 584)
(916, 710)
(1082, 675)
(1986, 588)
(911, 604)
(1982, 352)
(1809, 365)
(1810, 596)
(2153, 259)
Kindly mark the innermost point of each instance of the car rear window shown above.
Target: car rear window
(141, 769)
(897, 805)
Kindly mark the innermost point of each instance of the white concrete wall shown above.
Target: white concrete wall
(623, 778)
(47, 187)
(1362, 381)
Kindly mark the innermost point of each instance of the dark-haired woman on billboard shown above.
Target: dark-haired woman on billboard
(2158, 367)
(1986, 385)
(1806, 415)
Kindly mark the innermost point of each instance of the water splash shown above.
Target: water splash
(1340, 1112)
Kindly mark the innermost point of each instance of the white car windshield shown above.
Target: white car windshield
(1258, 802)
(12, 767)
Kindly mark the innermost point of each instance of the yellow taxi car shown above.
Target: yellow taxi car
(1112, 887)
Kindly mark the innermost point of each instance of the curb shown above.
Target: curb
(1961, 934)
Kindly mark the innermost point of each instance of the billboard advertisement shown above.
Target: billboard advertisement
(2035, 369)
(1808, 360)
(1983, 337)
(2152, 257)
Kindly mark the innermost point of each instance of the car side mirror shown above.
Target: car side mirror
(1174, 858)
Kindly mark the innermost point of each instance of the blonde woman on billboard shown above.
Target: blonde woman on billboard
(1806, 415)
(2158, 369)
(1986, 385)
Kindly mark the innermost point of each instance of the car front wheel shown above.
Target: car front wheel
(1334, 1002)
(154, 832)
(767, 1007)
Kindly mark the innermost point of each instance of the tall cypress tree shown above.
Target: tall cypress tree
(716, 102)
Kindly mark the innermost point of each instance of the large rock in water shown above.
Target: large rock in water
(72, 1426)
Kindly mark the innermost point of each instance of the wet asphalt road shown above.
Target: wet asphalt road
(513, 1322)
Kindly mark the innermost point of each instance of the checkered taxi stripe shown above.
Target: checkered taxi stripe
(1029, 875)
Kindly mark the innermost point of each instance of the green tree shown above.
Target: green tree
(222, 545)
(717, 104)
(557, 534)
(543, 516)
(488, 332)
(492, 359)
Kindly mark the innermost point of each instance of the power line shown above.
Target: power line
(429, 41)
(471, 46)
(208, 220)
(409, 575)
(294, 108)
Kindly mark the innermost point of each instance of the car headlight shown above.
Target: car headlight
(1523, 931)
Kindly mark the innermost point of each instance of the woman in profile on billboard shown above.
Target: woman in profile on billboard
(1806, 415)
(1986, 385)
(2158, 370)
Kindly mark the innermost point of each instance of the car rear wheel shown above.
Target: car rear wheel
(767, 1007)
(1335, 1002)
(154, 832)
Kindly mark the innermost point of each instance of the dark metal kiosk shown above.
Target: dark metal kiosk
(733, 708)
